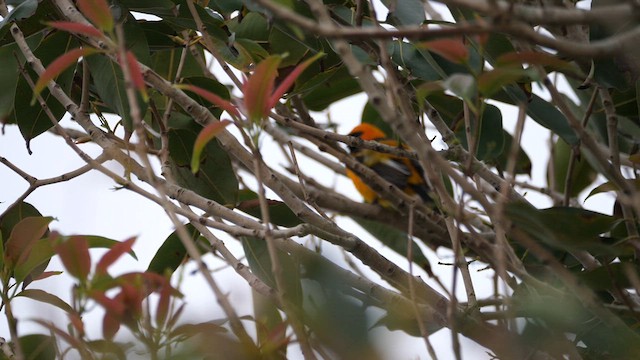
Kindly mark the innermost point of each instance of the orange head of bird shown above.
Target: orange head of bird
(367, 131)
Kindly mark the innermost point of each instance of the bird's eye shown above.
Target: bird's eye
(356, 133)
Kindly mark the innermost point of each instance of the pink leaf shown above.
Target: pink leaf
(136, 75)
(290, 79)
(75, 256)
(98, 12)
(114, 254)
(258, 88)
(57, 66)
(453, 50)
(223, 104)
(206, 135)
(76, 28)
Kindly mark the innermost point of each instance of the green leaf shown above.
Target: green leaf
(32, 120)
(270, 328)
(216, 178)
(328, 87)
(417, 63)
(395, 239)
(9, 79)
(45, 297)
(38, 259)
(541, 111)
(24, 10)
(564, 228)
(184, 20)
(108, 83)
(260, 263)
(23, 237)
(610, 186)
(609, 277)
(406, 12)
(254, 26)
(172, 252)
(279, 212)
(582, 176)
(38, 347)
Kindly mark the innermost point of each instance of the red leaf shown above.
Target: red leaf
(205, 135)
(163, 304)
(532, 58)
(110, 326)
(258, 88)
(114, 307)
(136, 75)
(77, 323)
(23, 236)
(132, 296)
(75, 256)
(290, 79)
(453, 50)
(76, 28)
(98, 12)
(57, 66)
(114, 254)
(223, 104)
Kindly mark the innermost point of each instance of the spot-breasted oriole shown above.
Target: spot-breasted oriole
(404, 173)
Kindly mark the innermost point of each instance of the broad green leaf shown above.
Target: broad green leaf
(609, 277)
(406, 12)
(108, 83)
(155, 7)
(564, 227)
(261, 265)
(23, 237)
(411, 59)
(23, 11)
(582, 174)
(10, 55)
(372, 116)
(172, 252)
(609, 186)
(270, 327)
(254, 26)
(395, 239)
(184, 20)
(204, 137)
(281, 42)
(32, 120)
(38, 259)
(328, 87)
(216, 179)
(38, 347)
(279, 212)
(541, 111)
(45, 297)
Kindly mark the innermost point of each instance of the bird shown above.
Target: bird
(403, 172)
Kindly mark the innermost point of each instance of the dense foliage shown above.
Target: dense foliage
(565, 279)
